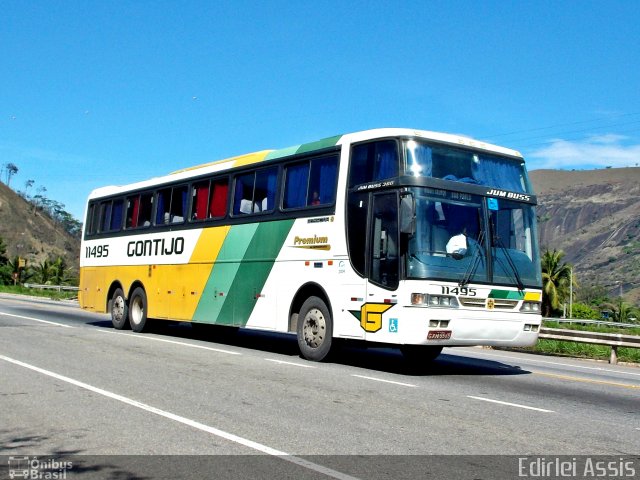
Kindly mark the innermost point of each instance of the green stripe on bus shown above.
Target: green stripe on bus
(254, 270)
(240, 271)
(506, 294)
(224, 270)
(283, 152)
(320, 144)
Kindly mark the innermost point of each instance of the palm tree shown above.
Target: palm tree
(44, 272)
(556, 278)
(60, 272)
(621, 311)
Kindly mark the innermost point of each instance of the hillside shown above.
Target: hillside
(32, 234)
(594, 217)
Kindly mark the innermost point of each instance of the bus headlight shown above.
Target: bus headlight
(418, 298)
(427, 300)
(530, 307)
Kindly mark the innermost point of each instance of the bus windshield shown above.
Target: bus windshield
(453, 242)
(461, 165)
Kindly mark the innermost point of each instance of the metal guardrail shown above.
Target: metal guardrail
(581, 321)
(614, 340)
(59, 288)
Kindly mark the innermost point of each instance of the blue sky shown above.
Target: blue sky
(95, 93)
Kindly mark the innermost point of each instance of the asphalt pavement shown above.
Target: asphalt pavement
(71, 386)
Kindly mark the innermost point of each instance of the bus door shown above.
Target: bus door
(384, 266)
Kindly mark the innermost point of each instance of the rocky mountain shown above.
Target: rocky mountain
(594, 217)
(31, 233)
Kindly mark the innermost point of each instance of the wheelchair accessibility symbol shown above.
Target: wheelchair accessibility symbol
(393, 325)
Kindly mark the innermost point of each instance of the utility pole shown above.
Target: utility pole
(571, 292)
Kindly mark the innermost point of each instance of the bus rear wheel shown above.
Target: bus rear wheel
(119, 310)
(138, 309)
(314, 329)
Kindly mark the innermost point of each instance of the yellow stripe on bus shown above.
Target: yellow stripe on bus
(532, 296)
(209, 244)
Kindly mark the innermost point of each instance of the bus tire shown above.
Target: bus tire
(119, 310)
(314, 330)
(138, 309)
(418, 356)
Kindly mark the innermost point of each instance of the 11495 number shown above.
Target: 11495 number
(97, 251)
(464, 291)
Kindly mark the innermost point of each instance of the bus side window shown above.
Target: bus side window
(133, 207)
(373, 161)
(243, 198)
(256, 191)
(322, 184)
(218, 201)
(265, 191)
(178, 204)
(105, 216)
(92, 219)
(163, 202)
(200, 197)
(116, 215)
(296, 185)
(146, 206)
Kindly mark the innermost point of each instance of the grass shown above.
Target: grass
(35, 292)
(593, 328)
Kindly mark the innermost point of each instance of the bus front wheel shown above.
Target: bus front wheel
(119, 310)
(314, 329)
(138, 309)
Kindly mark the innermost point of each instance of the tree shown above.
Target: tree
(556, 278)
(21, 274)
(60, 274)
(43, 272)
(27, 185)
(5, 271)
(3, 252)
(620, 311)
(12, 169)
(585, 312)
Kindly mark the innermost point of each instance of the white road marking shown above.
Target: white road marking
(186, 421)
(185, 344)
(37, 320)
(289, 363)
(384, 381)
(511, 404)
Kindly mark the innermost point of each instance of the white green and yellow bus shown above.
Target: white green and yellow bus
(398, 237)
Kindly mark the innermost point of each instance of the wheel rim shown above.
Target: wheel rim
(117, 309)
(137, 310)
(314, 328)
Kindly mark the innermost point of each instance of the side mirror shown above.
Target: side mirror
(407, 214)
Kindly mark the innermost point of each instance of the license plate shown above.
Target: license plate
(439, 335)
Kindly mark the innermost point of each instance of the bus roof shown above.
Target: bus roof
(264, 155)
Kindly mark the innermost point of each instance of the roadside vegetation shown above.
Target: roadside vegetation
(15, 273)
(585, 350)
(35, 292)
(592, 302)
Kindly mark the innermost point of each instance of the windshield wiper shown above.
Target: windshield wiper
(507, 255)
(475, 261)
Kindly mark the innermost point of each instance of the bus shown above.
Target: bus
(395, 237)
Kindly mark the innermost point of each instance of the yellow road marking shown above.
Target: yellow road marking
(587, 380)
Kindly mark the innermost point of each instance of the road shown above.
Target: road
(71, 385)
